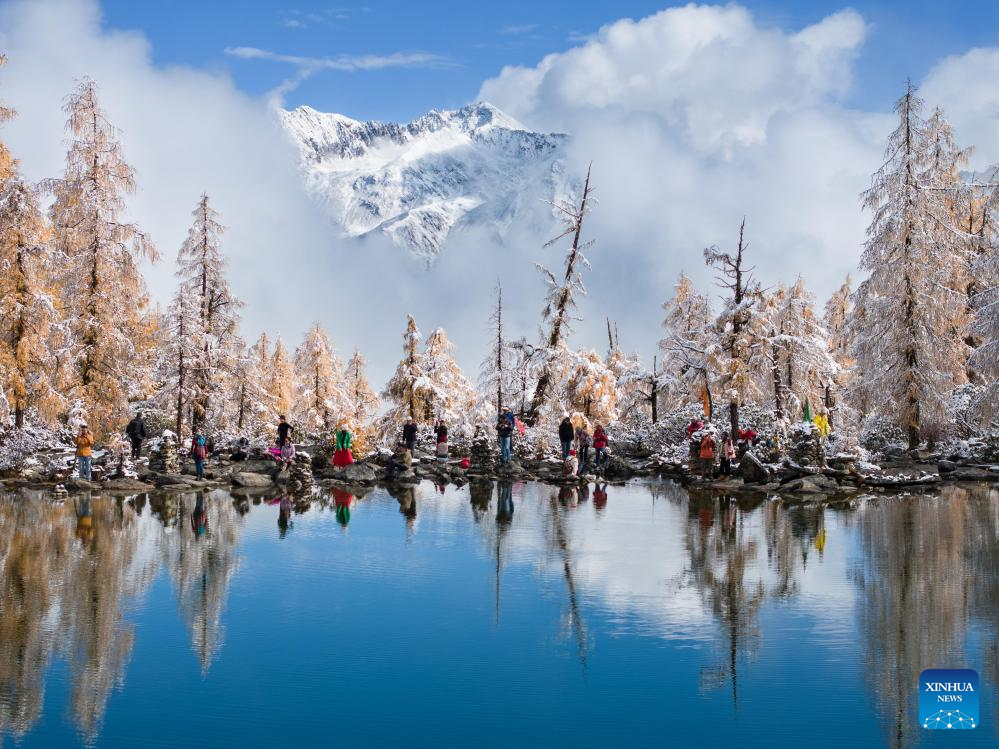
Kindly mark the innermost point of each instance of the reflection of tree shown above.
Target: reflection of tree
(34, 546)
(103, 573)
(791, 530)
(560, 543)
(721, 553)
(982, 547)
(914, 600)
(201, 567)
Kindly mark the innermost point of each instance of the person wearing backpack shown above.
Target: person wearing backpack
(136, 433)
(199, 452)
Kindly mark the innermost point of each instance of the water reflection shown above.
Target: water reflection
(911, 582)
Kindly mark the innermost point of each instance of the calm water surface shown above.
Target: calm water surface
(493, 617)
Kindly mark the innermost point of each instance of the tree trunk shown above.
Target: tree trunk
(733, 414)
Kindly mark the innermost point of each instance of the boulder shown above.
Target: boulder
(946, 466)
(753, 470)
(972, 474)
(617, 468)
(77, 484)
(252, 480)
(357, 473)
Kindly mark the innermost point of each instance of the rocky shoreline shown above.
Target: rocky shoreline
(834, 476)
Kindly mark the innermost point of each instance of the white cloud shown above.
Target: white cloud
(964, 85)
(695, 117)
(345, 63)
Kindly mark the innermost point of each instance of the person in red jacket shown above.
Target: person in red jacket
(600, 444)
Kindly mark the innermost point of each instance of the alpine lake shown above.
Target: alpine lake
(495, 615)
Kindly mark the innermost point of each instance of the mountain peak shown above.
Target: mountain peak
(416, 182)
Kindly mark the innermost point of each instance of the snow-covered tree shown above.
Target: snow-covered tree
(495, 372)
(201, 274)
(800, 366)
(27, 307)
(591, 388)
(561, 299)
(253, 409)
(442, 391)
(836, 321)
(320, 401)
(685, 375)
(280, 379)
(104, 293)
(400, 390)
(739, 326)
(361, 399)
(911, 352)
(176, 391)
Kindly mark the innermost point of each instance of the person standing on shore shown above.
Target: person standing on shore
(409, 435)
(504, 431)
(582, 446)
(284, 431)
(600, 445)
(136, 433)
(565, 434)
(84, 451)
(199, 452)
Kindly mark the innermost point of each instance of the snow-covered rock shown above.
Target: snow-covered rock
(417, 182)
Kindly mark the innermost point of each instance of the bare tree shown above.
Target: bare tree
(561, 299)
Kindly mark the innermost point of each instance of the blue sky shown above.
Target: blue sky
(475, 40)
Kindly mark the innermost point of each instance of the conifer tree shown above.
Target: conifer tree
(320, 401)
(442, 391)
(494, 374)
(685, 372)
(176, 392)
(591, 388)
(401, 388)
(27, 307)
(281, 380)
(739, 327)
(911, 351)
(103, 290)
(201, 273)
(361, 399)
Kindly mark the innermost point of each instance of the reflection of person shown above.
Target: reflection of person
(406, 498)
(568, 497)
(504, 508)
(284, 516)
(84, 520)
(199, 518)
(599, 497)
(343, 500)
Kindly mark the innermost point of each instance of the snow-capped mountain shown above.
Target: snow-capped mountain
(417, 182)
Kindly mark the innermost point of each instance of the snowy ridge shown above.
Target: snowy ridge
(416, 182)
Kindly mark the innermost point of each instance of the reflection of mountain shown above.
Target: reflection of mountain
(201, 566)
